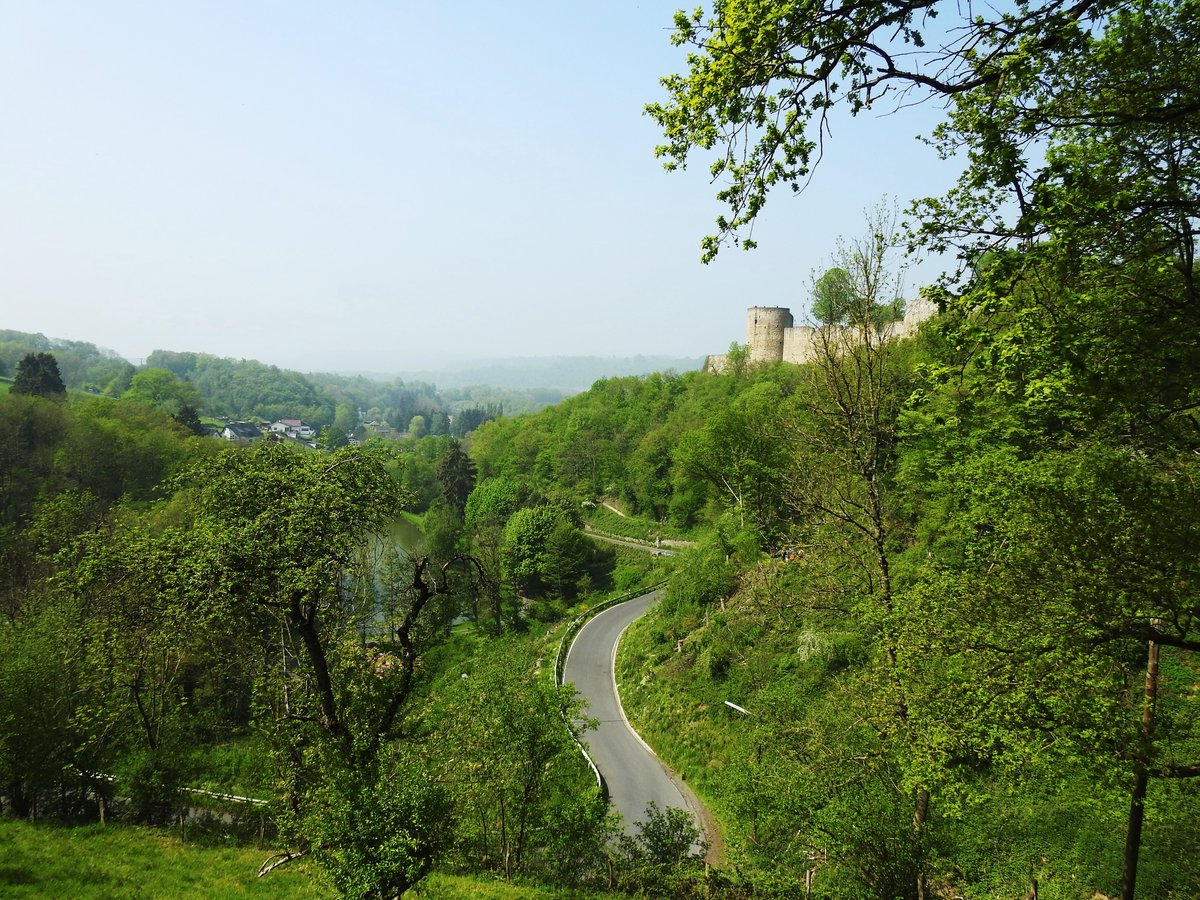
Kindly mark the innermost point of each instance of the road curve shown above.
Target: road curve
(635, 776)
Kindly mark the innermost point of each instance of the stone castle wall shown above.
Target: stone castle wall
(766, 331)
(772, 336)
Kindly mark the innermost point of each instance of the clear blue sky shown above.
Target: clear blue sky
(386, 185)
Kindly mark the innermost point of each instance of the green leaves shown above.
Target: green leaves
(544, 551)
(377, 831)
(284, 522)
(765, 74)
(501, 738)
(1039, 626)
(161, 389)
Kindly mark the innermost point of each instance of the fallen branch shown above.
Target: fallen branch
(279, 859)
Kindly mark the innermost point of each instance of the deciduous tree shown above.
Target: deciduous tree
(514, 769)
(544, 551)
(277, 541)
(764, 77)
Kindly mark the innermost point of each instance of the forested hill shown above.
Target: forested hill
(246, 388)
(678, 448)
(82, 365)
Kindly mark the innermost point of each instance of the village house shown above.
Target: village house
(241, 432)
(294, 429)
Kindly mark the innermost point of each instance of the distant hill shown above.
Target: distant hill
(550, 376)
(245, 388)
(81, 364)
(568, 374)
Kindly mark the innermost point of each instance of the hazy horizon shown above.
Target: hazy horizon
(563, 373)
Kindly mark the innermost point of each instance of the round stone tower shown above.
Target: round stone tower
(765, 326)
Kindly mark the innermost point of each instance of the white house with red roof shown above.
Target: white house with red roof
(294, 428)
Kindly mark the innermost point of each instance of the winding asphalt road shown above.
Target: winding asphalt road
(635, 776)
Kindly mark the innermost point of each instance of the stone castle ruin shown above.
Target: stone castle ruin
(772, 335)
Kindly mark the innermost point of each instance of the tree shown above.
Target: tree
(162, 390)
(648, 472)
(416, 426)
(332, 437)
(30, 432)
(1059, 585)
(493, 501)
(467, 420)
(740, 454)
(130, 649)
(668, 836)
(1061, 410)
(456, 475)
(844, 424)
(113, 448)
(514, 766)
(1099, 148)
(832, 297)
(760, 87)
(443, 530)
(488, 509)
(836, 300)
(544, 551)
(278, 540)
(34, 712)
(37, 374)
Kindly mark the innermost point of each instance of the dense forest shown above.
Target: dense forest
(933, 627)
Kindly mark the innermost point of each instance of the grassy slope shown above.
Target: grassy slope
(677, 666)
(115, 861)
(678, 709)
(605, 520)
(94, 861)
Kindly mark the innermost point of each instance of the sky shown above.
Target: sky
(383, 186)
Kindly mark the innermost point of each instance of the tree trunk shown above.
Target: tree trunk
(920, 814)
(1137, 800)
(306, 626)
(504, 839)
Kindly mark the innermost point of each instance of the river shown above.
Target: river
(407, 535)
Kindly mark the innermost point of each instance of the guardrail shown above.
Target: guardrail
(564, 647)
(230, 798)
(664, 545)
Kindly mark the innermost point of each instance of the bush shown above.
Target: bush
(666, 837)
(151, 779)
